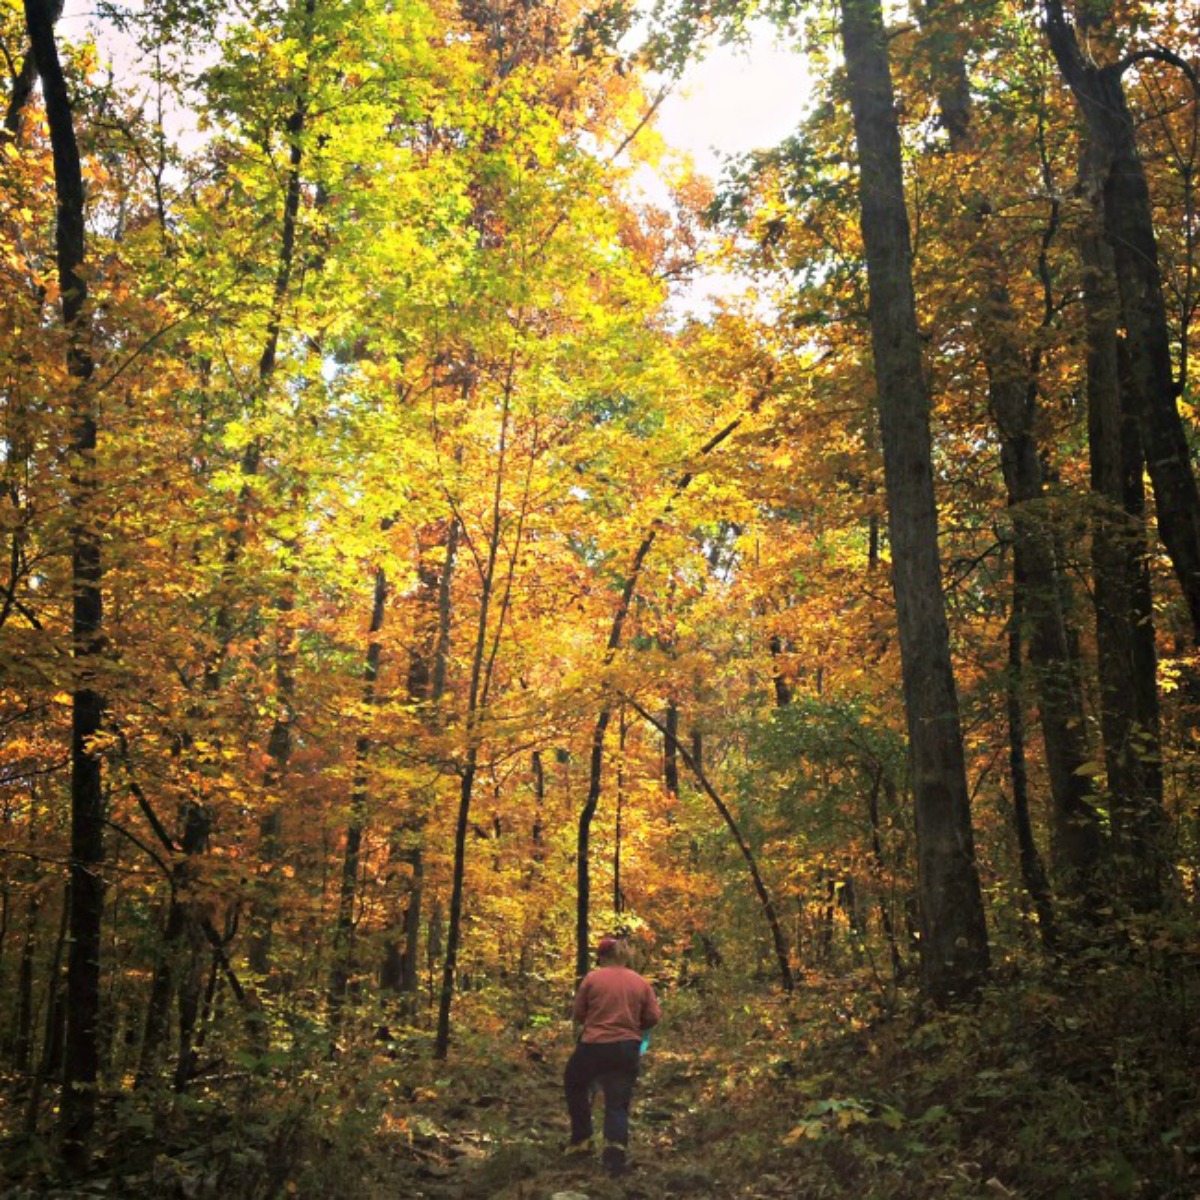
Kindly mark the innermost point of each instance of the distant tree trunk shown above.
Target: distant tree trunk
(783, 689)
(21, 1031)
(483, 663)
(538, 850)
(343, 938)
(1129, 714)
(1129, 232)
(279, 743)
(5, 913)
(178, 956)
(279, 753)
(760, 887)
(51, 1060)
(78, 1106)
(954, 947)
(622, 729)
(426, 685)
(1077, 841)
(670, 757)
(1033, 873)
(885, 909)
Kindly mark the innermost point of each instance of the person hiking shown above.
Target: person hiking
(614, 1007)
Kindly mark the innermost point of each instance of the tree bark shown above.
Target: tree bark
(1013, 386)
(78, 1107)
(954, 946)
(1077, 842)
(1129, 712)
(1129, 232)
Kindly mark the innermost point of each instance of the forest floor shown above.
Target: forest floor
(1061, 1084)
(1068, 1087)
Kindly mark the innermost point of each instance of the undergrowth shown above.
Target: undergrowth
(1069, 1082)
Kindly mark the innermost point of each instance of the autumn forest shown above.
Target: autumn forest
(405, 580)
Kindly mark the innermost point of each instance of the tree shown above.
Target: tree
(87, 703)
(954, 949)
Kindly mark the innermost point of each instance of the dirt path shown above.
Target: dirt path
(509, 1146)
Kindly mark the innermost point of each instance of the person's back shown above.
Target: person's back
(614, 1006)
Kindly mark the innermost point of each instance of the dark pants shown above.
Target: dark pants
(614, 1067)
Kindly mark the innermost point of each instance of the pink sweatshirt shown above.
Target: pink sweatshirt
(615, 1004)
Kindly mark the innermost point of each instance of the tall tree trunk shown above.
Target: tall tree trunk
(1129, 232)
(78, 1108)
(954, 947)
(279, 753)
(279, 744)
(343, 938)
(1013, 384)
(618, 895)
(483, 663)
(1129, 714)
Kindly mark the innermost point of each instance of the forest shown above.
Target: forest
(404, 584)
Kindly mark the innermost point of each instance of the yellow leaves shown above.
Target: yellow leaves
(824, 1118)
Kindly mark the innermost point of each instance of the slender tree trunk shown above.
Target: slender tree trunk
(279, 753)
(23, 1033)
(583, 884)
(51, 1059)
(622, 729)
(760, 887)
(954, 947)
(1077, 840)
(5, 913)
(78, 1107)
(343, 937)
(670, 756)
(1033, 873)
(426, 685)
(885, 908)
(483, 662)
(279, 743)
(175, 968)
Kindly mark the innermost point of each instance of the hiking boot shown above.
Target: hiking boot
(579, 1149)
(614, 1159)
